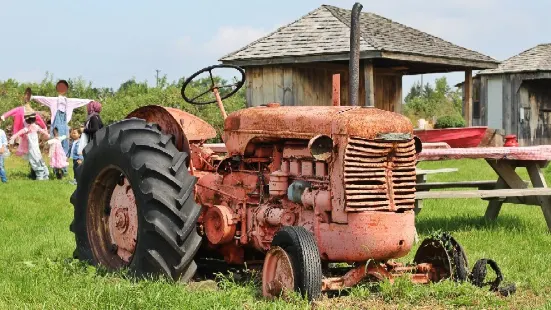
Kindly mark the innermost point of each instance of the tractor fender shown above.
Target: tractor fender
(185, 127)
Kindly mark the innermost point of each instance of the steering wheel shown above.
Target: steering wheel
(213, 85)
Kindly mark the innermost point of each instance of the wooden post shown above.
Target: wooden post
(468, 111)
(494, 206)
(398, 95)
(538, 181)
(336, 89)
(369, 85)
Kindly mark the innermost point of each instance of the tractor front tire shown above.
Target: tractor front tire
(293, 262)
(134, 203)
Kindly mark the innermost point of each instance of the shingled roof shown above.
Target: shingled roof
(535, 59)
(326, 31)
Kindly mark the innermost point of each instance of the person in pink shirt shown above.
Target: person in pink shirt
(58, 160)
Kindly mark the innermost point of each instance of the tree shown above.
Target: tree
(428, 102)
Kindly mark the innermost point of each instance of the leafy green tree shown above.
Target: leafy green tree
(431, 102)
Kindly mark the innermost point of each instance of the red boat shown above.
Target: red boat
(455, 137)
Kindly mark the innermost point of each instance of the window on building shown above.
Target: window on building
(476, 109)
(476, 98)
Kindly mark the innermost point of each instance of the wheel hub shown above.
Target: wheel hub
(123, 221)
(277, 273)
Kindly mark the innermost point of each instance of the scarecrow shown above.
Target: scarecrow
(61, 109)
(19, 123)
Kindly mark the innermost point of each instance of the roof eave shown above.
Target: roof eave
(466, 63)
(458, 62)
(514, 72)
(297, 59)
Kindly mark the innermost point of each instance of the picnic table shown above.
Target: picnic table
(509, 186)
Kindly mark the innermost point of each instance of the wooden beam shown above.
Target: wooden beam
(490, 184)
(445, 62)
(369, 85)
(398, 98)
(494, 206)
(387, 71)
(493, 193)
(538, 181)
(299, 59)
(336, 90)
(468, 100)
(465, 63)
(335, 67)
(434, 171)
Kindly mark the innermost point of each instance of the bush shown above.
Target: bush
(449, 121)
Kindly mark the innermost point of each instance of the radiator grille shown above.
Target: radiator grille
(379, 175)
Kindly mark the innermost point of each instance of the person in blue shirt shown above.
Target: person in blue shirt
(77, 159)
(3, 152)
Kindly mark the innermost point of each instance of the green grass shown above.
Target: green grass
(37, 272)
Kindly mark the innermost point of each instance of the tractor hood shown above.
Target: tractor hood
(275, 122)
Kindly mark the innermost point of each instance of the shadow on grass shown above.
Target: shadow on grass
(458, 223)
(19, 175)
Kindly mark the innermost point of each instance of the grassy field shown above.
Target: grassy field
(37, 272)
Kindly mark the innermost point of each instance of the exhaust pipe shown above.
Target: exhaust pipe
(354, 63)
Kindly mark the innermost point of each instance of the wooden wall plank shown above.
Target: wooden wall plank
(288, 97)
(325, 86)
(278, 84)
(483, 101)
(268, 83)
(506, 97)
(298, 86)
(369, 80)
(258, 93)
(398, 94)
(249, 75)
(516, 81)
(468, 97)
(344, 89)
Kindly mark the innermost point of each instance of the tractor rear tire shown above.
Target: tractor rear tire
(301, 247)
(165, 239)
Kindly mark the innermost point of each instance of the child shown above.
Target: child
(58, 160)
(34, 156)
(3, 152)
(77, 158)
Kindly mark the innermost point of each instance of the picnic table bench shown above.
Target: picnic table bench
(508, 188)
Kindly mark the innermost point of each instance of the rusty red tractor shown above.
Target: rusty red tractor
(292, 189)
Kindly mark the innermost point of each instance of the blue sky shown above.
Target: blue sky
(108, 42)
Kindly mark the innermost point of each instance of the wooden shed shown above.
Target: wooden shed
(301, 63)
(516, 96)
